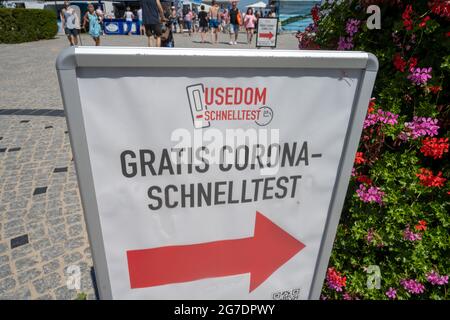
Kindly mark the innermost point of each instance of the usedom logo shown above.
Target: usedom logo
(210, 104)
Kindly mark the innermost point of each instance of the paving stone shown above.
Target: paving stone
(23, 293)
(41, 244)
(76, 230)
(51, 266)
(4, 259)
(27, 276)
(5, 271)
(75, 243)
(52, 252)
(47, 282)
(7, 284)
(21, 251)
(26, 263)
(3, 247)
(11, 233)
(72, 258)
(63, 293)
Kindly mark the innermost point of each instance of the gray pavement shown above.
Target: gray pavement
(42, 229)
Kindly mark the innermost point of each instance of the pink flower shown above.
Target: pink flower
(345, 43)
(435, 279)
(352, 27)
(369, 236)
(419, 127)
(412, 286)
(372, 194)
(380, 116)
(411, 236)
(391, 293)
(420, 76)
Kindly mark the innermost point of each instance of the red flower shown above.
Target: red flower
(428, 180)
(447, 34)
(371, 105)
(359, 159)
(423, 23)
(412, 62)
(364, 179)
(399, 62)
(315, 13)
(334, 280)
(434, 147)
(440, 8)
(435, 89)
(422, 226)
(406, 16)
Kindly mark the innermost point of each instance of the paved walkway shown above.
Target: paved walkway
(42, 229)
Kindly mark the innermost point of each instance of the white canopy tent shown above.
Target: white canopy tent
(258, 4)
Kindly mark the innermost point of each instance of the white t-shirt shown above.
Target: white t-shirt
(139, 13)
(128, 16)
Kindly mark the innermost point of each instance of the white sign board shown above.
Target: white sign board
(224, 180)
(266, 35)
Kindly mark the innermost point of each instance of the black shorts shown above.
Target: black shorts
(69, 32)
(153, 29)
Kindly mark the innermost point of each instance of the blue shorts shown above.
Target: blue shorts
(234, 28)
(214, 23)
(129, 26)
(188, 24)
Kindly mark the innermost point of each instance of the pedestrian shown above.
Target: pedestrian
(214, 21)
(173, 18)
(129, 16)
(141, 23)
(152, 16)
(224, 20)
(69, 23)
(188, 21)
(100, 14)
(249, 24)
(203, 23)
(94, 20)
(235, 22)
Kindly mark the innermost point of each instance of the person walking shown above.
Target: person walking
(129, 16)
(214, 21)
(224, 20)
(188, 21)
(69, 24)
(235, 22)
(249, 24)
(173, 18)
(203, 23)
(141, 23)
(94, 20)
(152, 16)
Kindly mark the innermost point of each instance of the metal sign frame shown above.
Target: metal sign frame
(276, 34)
(74, 57)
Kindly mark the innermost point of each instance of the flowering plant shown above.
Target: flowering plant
(396, 214)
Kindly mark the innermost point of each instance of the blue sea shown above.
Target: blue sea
(296, 8)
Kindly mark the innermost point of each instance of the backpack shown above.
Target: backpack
(239, 18)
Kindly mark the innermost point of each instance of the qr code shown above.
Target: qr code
(293, 294)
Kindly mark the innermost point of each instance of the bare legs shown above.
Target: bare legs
(157, 41)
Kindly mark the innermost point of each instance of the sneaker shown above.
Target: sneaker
(235, 43)
(230, 43)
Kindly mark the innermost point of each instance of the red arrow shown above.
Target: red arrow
(260, 255)
(266, 35)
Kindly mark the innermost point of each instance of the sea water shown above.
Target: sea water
(293, 8)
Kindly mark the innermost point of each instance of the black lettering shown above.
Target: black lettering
(126, 164)
(158, 199)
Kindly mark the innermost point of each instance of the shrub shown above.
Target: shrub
(396, 215)
(24, 25)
